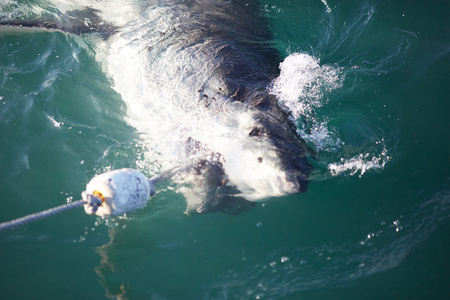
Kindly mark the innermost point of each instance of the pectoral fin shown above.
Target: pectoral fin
(77, 22)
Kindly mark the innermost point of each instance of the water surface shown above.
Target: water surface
(368, 84)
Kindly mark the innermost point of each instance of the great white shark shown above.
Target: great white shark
(194, 75)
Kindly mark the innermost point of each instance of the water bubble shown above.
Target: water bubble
(284, 259)
(259, 224)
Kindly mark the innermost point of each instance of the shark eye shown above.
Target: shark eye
(255, 132)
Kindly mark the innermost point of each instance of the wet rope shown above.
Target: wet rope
(40, 215)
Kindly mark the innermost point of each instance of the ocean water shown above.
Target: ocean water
(367, 84)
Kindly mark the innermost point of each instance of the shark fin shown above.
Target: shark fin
(78, 22)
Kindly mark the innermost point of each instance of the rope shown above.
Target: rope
(40, 215)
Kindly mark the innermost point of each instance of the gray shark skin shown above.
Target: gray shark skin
(236, 38)
(78, 22)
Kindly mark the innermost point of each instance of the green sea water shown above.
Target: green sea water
(374, 223)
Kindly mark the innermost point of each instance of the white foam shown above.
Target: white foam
(303, 83)
(116, 12)
(10, 9)
(360, 163)
(303, 86)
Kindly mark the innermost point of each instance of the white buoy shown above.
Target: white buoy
(117, 192)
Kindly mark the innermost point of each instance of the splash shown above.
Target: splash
(304, 86)
(303, 78)
(360, 163)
